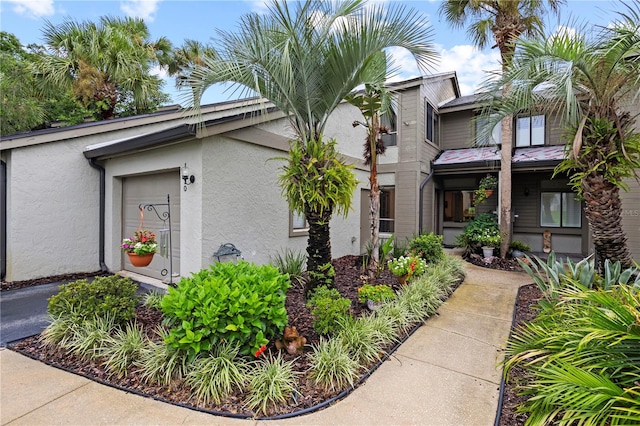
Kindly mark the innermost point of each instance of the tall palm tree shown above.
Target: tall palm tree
(104, 63)
(593, 81)
(506, 21)
(306, 59)
(373, 101)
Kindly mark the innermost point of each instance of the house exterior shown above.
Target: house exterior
(68, 196)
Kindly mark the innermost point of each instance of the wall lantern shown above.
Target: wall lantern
(186, 177)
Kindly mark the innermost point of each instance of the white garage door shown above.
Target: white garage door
(153, 189)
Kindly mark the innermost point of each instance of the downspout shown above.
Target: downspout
(103, 266)
(3, 220)
(420, 208)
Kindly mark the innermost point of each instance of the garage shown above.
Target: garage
(152, 189)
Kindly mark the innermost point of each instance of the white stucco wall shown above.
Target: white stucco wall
(52, 211)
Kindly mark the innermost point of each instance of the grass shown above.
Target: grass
(270, 383)
(331, 365)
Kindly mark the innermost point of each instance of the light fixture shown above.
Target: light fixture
(186, 177)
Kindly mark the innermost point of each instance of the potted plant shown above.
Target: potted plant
(406, 267)
(374, 295)
(489, 239)
(485, 190)
(140, 248)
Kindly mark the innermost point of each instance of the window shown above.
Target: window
(431, 127)
(390, 119)
(530, 131)
(560, 210)
(387, 209)
(297, 224)
(484, 140)
(458, 206)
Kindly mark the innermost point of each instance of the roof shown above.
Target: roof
(540, 156)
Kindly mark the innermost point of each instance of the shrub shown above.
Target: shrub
(361, 339)
(214, 377)
(122, 349)
(240, 303)
(292, 263)
(375, 293)
(153, 299)
(161, 363)
(519, 245)
(482, 231)
(327, 308)
(87, 339)
(113, 295)
(271, 382)
(428, 247)
(409, 266)
(331, 366)
(59, 331)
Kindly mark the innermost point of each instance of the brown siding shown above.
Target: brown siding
(631, 217)
(456, 130)
(406, 204)
(407, 133)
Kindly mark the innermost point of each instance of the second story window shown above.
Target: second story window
(482, 138)
(431, 125)
(529, 131)
(390, 119)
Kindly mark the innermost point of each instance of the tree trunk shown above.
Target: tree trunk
(603, 209)
(505, 185)
(318, 248)
(374, 222)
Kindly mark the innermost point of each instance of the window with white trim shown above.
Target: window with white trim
(387, 209)
(560, 210)
(432, 123)
(530, 131)
(298, 224)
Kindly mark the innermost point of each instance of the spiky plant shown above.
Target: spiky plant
(331, 365)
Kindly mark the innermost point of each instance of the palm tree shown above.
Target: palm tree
(372, 102)
(506, 20)
(104, 63)
(306, 61)
(593, 82)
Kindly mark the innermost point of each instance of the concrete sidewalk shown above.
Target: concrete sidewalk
(446, 373)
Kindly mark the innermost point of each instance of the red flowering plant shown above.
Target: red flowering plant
(143, 242)
(260, 351)
(409, 266)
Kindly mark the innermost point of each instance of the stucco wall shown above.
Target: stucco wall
(52, 211)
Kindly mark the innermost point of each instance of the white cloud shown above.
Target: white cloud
(144, 9)
(33, 8)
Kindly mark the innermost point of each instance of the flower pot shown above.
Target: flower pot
(140, 261)
(489, 192)
(487, 252)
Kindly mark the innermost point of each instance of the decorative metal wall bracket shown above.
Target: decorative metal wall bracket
(164, 216)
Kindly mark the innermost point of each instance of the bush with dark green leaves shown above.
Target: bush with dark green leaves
(328, 308)
(82, 300)
(475, 234)
(428, 247)
(239, 303)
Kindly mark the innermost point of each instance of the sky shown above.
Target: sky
(199, 20)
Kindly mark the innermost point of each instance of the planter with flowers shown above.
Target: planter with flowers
(406, 267)
(374, 295)
(487, 185)
(140, 248)
(490, 239)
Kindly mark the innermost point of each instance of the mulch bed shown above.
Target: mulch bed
(14, 285)
(349, 276)
(494, 262)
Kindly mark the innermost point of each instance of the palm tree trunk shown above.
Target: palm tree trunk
(374, 221)
(318, 248)
(603, 209)
(505, 185)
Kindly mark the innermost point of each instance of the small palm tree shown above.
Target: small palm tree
(104, 63)
(306, 60)
(593, 83)
(506, 21)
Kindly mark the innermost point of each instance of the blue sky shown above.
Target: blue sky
(186, 19)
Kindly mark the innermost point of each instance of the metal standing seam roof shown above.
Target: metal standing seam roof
(492, 153)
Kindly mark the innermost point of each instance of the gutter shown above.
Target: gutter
(3, 220)
(420, 208)
(103, 266)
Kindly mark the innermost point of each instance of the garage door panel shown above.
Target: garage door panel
(152, 189)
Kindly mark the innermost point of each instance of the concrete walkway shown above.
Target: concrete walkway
(445, 374)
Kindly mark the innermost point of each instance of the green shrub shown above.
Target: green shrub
(361, 339)
(323, 276)
(113, 295)
(331, 366)
(214, 377)
(292, 263)
(240, 303)
(87, 339)
(375, 293)
(582, 354)
(327, 308)
(482, 231)
(427, 247)
(519, 245)
(122, 349)
(160, 363)
(270, 383)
